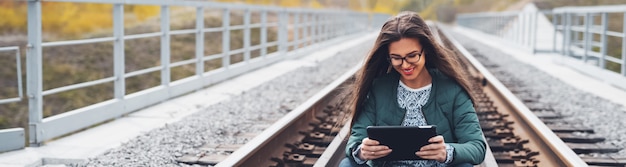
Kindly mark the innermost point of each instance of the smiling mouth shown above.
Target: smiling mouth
(408, 71)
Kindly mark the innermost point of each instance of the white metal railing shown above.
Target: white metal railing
(579, 28)
(309, 29)
(571, 33)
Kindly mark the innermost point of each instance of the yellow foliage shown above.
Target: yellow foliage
(145, 12)
(290, 3)
(69, 19)
(315, 4)
(12, 15)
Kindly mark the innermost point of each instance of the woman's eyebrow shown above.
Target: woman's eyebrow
(412, 52)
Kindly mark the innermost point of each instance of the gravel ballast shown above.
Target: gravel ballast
(217, 124)
(577, 106)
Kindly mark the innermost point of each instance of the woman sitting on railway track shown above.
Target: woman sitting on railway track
(409, 79)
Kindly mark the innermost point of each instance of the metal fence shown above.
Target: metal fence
(298, 31)
(580, 34)
(586, 33)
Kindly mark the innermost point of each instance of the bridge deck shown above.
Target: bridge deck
(79, 147)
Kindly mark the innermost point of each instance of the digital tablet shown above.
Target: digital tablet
(403, 140)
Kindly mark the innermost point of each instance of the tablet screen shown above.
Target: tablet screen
(403, 140)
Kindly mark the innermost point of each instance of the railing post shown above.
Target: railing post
(555, 23)
(311, 37)
(327, 26)
(33, 73)
(246, 35)
(575, 22)
(282, 31)
(603, 49)
(522, 30)
(526, 28)
(588, 22)
(624, 46)
(296, 29)
(165, 46)
(517, 29)
(318, 27)
(264, 32)
(533, 37)
(199, 41)
(118, 51)
(567, 36)
(226, 38)
(305, 28)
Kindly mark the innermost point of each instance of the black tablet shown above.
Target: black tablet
(403, 140)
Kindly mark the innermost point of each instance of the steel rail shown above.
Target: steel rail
(268, 144)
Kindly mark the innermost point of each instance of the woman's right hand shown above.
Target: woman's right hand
(371, 149)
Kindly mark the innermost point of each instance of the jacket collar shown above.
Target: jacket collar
(434, 74)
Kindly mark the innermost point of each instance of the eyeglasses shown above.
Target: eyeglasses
(410, 58)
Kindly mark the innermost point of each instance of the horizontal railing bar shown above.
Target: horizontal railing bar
(559, 27)
(9, 48)
(591, 9)
(144, 71)
(237, 51)
(146, 35)
(211, 57)
(256, 25)
(172, 3)
(237, 27)
(596, 43)
(613, 59)
(78, 42)
(206, 4)
(184, 62)
(76, 86)
(488, 14)
(213, 29)
(577, 28)
(255, 47)
(270, 44)
(615, 34)
(11, 100)
(179, 32)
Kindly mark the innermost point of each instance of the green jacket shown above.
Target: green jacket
(449, 108)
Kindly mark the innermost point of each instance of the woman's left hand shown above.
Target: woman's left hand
(436, 150)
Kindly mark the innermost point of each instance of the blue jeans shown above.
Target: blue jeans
(346, 162)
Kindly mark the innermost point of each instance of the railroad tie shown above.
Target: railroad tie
(586, 148)
(580, 137)
(605, 161)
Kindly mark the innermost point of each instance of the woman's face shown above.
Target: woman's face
(407, 57)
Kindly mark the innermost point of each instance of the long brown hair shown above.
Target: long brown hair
(404, 25)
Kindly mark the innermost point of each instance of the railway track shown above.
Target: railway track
(520, 132)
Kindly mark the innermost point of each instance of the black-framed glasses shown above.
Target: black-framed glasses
(410, 58)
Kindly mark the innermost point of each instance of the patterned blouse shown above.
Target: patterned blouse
(412, 100)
